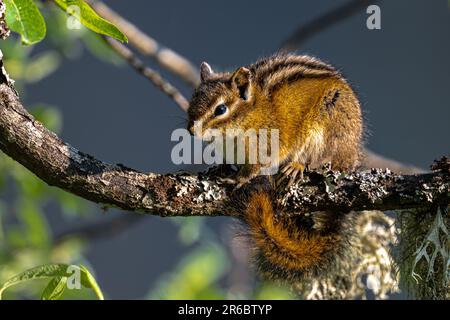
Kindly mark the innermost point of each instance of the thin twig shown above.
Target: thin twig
(317, 25)
(146, 45)
(149, 73)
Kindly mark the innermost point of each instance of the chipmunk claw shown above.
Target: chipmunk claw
(292, 173)
(238, 181)
(227, 180)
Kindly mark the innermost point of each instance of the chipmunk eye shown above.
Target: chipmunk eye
(220, 110)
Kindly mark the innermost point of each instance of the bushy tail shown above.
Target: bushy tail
(295, 247)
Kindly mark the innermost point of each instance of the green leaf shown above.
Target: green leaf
(56, 272)
(90, 19)
(23, 17)
(54, 289)
(88, 281)
(41, 272)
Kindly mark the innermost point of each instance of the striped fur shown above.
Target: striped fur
(272, 72)
(293, 248)
(319, 120)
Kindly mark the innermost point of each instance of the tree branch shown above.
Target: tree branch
(161, 83)
(146, 45)
(376, 189)
(4, 30)
(59, 164)
(184, 69)
(317, 25)
(41, 151)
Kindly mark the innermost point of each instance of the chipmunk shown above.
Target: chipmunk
(319, 120)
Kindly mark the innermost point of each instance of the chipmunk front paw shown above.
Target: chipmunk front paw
(240, 178)
(291, 172)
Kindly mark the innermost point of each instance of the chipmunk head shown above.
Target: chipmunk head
(221, 100)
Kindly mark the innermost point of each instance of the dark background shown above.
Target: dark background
(400, 72)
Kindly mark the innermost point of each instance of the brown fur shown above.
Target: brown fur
(315, 110)
(319, 120)
(294, 248)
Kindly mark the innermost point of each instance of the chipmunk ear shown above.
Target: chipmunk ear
(205, 71)
(241, 79)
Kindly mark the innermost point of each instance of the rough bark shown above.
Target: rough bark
(27, 141)
(182, 194)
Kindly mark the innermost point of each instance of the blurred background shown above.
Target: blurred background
(80, 89)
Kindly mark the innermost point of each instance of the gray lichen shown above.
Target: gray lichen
(423, 253)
